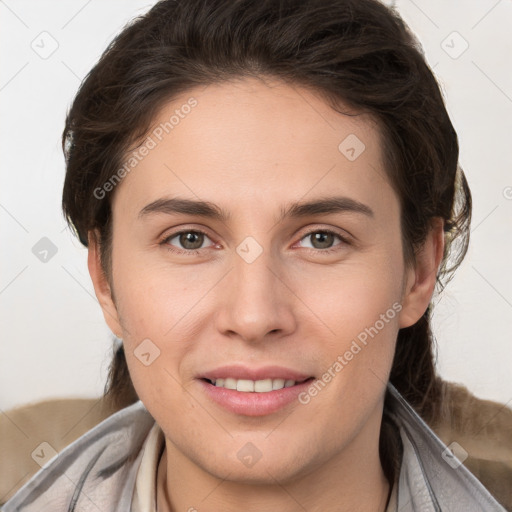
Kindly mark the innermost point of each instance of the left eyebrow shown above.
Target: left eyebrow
(324, 206)
(321, 206)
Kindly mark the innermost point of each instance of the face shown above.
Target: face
(255, 289)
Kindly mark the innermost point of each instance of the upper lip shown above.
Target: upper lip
(236, 371)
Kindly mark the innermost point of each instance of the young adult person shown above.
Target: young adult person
(269, 192)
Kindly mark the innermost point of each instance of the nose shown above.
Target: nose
(257, 302)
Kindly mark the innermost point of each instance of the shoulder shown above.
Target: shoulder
(483, 430)
(47, 427)
(429, 470)
(97, 468)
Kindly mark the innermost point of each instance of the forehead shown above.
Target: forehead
(253, 140)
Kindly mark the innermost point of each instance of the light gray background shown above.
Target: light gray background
(55, 342)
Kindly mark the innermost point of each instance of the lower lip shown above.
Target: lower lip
(252, 403)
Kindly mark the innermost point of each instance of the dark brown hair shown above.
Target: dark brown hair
(355, 53)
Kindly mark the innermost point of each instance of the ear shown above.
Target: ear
(421, 278)
(101, 285)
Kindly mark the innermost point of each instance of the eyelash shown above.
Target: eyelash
(175, 250)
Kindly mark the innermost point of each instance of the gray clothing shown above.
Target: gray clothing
(97, 472)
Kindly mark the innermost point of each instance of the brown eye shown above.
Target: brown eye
(324, 240)
(189, 241)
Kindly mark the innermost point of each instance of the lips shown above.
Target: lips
(253, 391)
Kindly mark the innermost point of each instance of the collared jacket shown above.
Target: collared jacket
(98, 470)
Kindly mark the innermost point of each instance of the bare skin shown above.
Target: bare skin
(253, 148)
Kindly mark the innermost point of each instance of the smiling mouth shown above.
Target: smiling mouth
(254, 386)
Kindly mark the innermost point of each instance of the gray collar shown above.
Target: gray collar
(431, 478)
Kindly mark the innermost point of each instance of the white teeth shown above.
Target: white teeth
(257, 386)
(263, 386)
(244, 385)
(230, 383)
(278, 383)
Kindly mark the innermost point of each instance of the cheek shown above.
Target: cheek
(156, 311)
(358, 311)
(351, 297)
(155, 300)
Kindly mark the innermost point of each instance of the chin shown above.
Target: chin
(265, 470)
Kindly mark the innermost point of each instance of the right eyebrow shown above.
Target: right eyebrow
(176, 205)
